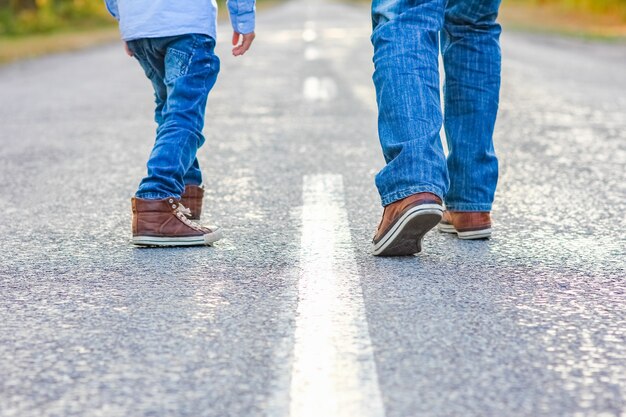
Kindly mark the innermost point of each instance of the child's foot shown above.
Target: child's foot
(192, 199)
(165, 223)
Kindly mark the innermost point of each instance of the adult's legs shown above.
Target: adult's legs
(472, 62)
(406, 49)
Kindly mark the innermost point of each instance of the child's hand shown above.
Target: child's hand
(246, 41)
(127, 49)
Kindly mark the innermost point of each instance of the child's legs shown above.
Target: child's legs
(191, 69)
(154, 67)
(194, 174)
(152, 62)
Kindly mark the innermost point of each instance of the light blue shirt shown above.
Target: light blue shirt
(158, 18)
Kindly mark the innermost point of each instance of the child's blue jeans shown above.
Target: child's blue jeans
(183, 69)
(407, 38)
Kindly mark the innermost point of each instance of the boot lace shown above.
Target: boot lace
(183, 213)
(184, 210)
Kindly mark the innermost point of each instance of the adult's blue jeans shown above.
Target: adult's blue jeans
(182, 69)
(407, 38)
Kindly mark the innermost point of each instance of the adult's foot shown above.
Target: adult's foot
(467, 224)
(404, 224)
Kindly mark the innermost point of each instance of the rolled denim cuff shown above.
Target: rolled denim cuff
(399, 195)
(468, 206)
(156, 196)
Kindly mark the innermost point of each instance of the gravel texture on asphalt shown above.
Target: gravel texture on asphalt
(529, 323)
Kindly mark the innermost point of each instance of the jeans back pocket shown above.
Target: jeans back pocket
(176, 64)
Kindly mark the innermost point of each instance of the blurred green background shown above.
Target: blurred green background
(30, 28)
(611, 7)
(23, 17)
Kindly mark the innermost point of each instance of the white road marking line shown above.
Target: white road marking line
(319, 89)
(442, 79)
(354, 32)
(334, 373)
(309, 34)
(311, 53)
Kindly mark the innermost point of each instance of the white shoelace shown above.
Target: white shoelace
(184, 210)
(183, 213)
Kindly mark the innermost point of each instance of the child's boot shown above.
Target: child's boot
(192, 199)
(165, 223)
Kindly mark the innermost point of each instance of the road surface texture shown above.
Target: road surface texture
(290, 314)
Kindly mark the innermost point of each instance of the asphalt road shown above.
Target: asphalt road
(290, 314)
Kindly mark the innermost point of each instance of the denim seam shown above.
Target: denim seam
(399, 195)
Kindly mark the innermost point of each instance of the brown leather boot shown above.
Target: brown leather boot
(192, 199)
(404, 224)
(165, 223)
(467, 224)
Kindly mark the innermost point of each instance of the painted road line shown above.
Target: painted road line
(311, 53)
(334, 373)
(319, 89)
(309, 34)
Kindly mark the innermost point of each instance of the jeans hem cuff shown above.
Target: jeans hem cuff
(155, 196)
(399, 195)
(468, 207)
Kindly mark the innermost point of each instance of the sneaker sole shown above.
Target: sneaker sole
(470, 235)
(446, 228)
(204, 240)
(405, 238)
(475, 234)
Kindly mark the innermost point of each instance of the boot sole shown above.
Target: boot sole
(168, 241)
(405, 238)
(470, 235)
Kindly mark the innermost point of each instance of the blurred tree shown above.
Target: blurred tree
(615, 8)
(18, 17)
(17, 5)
